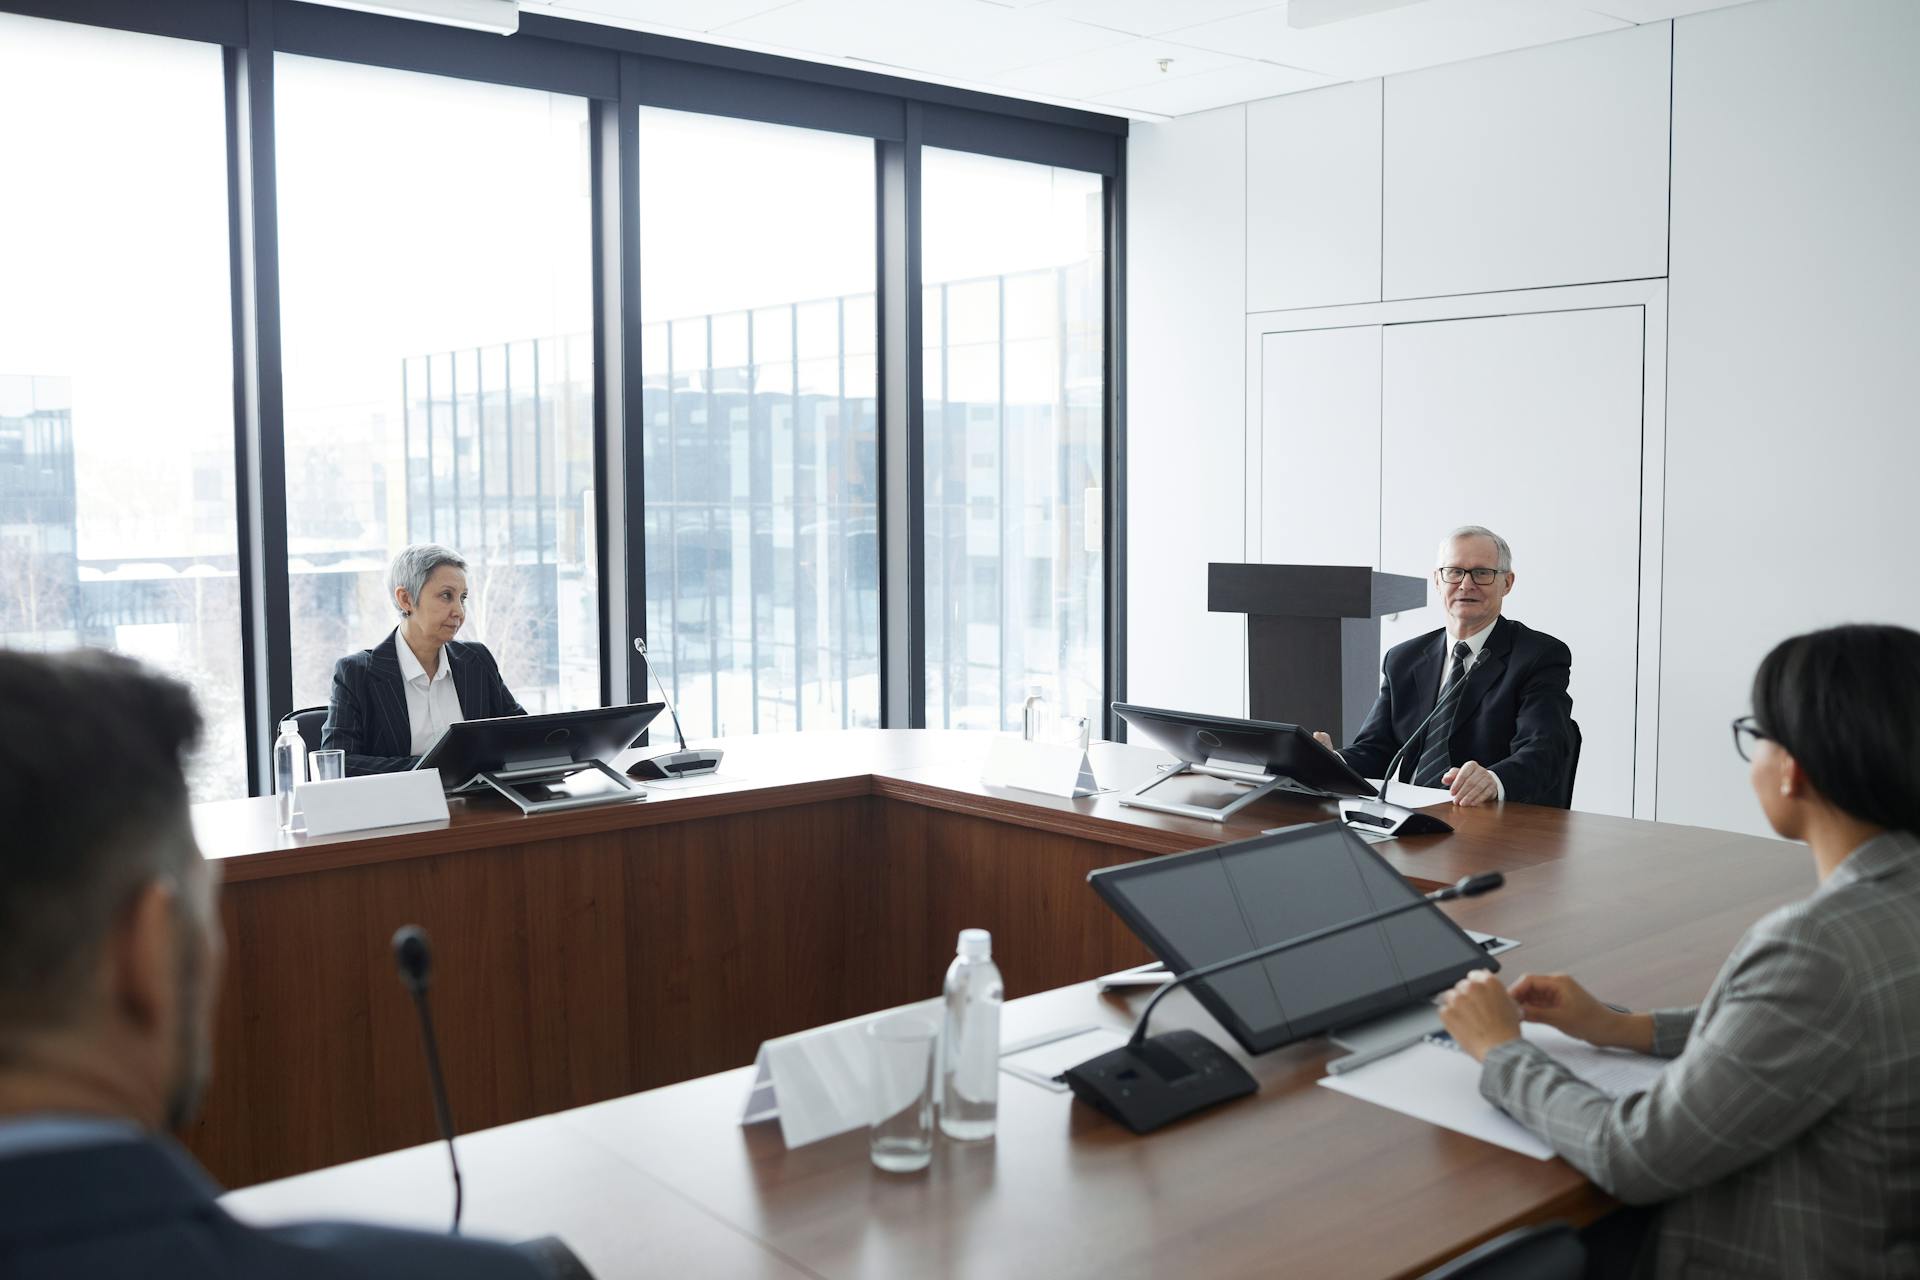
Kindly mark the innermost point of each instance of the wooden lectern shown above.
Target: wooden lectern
(1313, 637)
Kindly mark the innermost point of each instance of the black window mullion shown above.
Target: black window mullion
(260, 469)
(903, 516)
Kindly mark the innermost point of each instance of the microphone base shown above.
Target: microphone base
(1380, 818)
(1164, 1078)
(675, 764)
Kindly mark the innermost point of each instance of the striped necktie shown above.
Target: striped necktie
(1435, 759)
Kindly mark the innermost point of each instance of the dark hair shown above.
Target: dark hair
(1845, 703)
(93, 805)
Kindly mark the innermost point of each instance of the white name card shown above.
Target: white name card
(818, 1083)
(1052, 768)
(371, 800)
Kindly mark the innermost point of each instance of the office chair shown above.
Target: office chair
(1573, 766)
(311, 721)
(1549, 1251)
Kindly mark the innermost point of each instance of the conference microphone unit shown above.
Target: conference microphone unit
(674, 764)
(1382, 816)
(413, 956)
(1151, 1081)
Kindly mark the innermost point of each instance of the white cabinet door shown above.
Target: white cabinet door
(1530, 425)
(1320, 444)
(1545, 166)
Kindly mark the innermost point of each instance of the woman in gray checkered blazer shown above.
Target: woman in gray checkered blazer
(1784, 1138)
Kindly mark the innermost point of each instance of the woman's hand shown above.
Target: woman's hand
(1561, 1003)
(1479, 1014)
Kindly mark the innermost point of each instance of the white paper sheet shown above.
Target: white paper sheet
(1442, 1085)
(1042, 1062)
(1409, 796)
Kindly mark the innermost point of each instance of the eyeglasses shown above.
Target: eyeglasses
(1454, 573)
(1746, 735)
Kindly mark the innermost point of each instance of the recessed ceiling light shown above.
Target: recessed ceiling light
(1318, 13)
(502, 17)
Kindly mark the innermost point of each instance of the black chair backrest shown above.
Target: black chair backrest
(1550, 1251)
(311, 720)
(1573, 765)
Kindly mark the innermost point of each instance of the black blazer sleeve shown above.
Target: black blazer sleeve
(1368, 754)
(1535, 768)
(349, 726)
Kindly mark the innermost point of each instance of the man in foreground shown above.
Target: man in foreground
(110, 960)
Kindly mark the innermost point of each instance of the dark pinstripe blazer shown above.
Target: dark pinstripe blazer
(367, 711)
(1784, 1138)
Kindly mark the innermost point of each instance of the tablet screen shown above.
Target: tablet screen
(1195, 908)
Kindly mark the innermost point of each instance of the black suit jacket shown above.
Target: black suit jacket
(1514, 715)
(142, 1210)
(367, 711)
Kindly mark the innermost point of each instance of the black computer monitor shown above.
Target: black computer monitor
(1269, 747)
(1195, 908)
(513, 744)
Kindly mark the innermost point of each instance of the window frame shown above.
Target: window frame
(619, 71)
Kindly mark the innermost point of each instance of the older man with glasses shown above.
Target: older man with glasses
(1502, 723)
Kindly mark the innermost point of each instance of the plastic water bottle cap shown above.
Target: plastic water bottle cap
(975, 944)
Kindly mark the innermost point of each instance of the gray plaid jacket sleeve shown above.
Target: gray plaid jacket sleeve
(1768, 1054)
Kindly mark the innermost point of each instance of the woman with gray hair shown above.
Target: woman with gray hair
(391, 702)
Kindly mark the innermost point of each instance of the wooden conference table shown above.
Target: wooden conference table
(582, 958)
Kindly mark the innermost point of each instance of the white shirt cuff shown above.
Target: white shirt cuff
(1499, 787)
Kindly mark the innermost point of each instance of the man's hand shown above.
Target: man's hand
(1560, 1002)
(1325, 741)
(1471, 783)
(1479, 1014)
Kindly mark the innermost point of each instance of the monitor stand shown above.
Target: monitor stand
(1257, 785)
(542, 786)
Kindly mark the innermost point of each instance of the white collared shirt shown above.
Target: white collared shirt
(1475, 643)
(432, 701)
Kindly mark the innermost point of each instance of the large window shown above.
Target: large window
(436, 303)
(1014, 329)
(757, 260)
(116, 364)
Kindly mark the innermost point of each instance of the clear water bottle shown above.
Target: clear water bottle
(970, 1063)
(1036, 719)
(289, 769)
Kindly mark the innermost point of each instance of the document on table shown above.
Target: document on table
(1412, 797)
(1441, 1085)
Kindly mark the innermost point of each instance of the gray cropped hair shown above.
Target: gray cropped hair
(1502, 552)
(412, 568)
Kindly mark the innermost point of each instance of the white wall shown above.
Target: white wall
(1793, 444)
(1776, 441)
(1186, 431)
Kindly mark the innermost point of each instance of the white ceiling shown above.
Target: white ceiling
(1106, 55)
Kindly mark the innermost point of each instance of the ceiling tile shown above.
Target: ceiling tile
(1655, 10)
(962, 38)
(1154, 17)
(1243, 83)
(689, 15)
(1420, 35)
(1109, 70)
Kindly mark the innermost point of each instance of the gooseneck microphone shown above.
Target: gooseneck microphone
(1382, 816)
(1152, 1081)
(674, 764)
(414, 958)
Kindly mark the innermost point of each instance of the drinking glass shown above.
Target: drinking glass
(328, 765)
(902, 1051)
